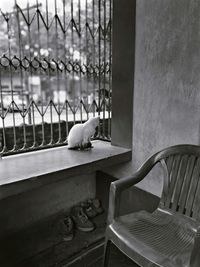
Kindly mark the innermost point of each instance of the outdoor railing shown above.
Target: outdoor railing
(55, 71)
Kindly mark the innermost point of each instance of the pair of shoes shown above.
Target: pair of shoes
(66, 226)
(92, 207)
(80, 217)
(81, 220)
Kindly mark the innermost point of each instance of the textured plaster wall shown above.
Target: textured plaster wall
(167, 79)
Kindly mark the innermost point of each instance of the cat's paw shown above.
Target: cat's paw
(73, 147)
(89, 145)
(86, 146)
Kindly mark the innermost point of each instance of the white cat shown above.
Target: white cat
(80, 134)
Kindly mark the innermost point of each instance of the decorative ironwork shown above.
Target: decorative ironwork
(55, 70)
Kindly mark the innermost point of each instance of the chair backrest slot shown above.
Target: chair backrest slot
(186, 184)
(179, 182)
(173, 179)
(164, 164)
(169, 163)
(193, 189)
(196, 203)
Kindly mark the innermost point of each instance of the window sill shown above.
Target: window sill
(20, 173)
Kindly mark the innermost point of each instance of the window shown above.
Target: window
(55, 71)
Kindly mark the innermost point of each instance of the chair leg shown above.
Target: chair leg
(106, 253)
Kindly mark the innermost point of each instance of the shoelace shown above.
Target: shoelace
(89, 209)
(67, 222)
(82, 216)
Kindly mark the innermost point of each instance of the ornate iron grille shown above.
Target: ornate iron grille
(55, 71)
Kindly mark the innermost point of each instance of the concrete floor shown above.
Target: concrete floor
(117, 259)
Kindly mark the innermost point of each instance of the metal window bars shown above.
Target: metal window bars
(55, 71)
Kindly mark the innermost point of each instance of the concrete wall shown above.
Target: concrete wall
(26, 208)
(123, 60)
(167, 79)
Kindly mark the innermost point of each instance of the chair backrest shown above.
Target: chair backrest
(181, 189)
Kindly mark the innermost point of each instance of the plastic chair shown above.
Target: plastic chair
(170, 236)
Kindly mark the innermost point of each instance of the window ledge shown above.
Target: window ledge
(20, 173)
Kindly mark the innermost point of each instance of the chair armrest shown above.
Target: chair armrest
(195, 255)
(117, 187)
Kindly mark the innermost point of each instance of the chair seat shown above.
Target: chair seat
(163, 238)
